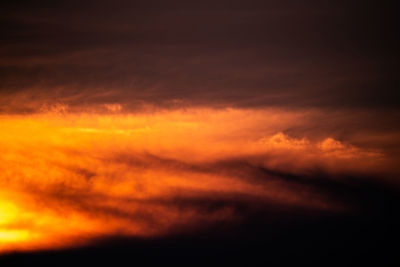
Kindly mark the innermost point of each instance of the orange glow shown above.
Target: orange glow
(68, 178)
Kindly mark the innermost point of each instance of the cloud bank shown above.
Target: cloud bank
(69, 178)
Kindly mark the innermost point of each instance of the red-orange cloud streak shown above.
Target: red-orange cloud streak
(67, 178)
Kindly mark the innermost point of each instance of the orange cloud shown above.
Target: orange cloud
(67, 178)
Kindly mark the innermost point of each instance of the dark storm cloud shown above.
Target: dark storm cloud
(229, 53)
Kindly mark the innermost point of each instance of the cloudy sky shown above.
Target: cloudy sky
(155, 119)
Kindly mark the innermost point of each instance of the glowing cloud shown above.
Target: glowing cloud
(67, 178)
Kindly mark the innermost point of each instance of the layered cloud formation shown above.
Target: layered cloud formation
(146, 119)
(69, 178)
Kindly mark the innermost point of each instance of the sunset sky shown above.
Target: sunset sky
(220, 121)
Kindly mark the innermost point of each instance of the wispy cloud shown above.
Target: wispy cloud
(78, 176)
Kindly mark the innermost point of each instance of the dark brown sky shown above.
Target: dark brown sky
(212, 53)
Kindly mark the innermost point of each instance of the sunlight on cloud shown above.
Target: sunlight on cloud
(69, 177)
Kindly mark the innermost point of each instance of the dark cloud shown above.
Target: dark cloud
(260, 53)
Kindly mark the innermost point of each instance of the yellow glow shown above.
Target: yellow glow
(7, 212)
(13, 236)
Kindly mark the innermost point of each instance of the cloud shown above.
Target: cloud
(70, 177)
(147, 120)
(258, 54)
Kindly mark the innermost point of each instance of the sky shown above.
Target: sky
(145, 121)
